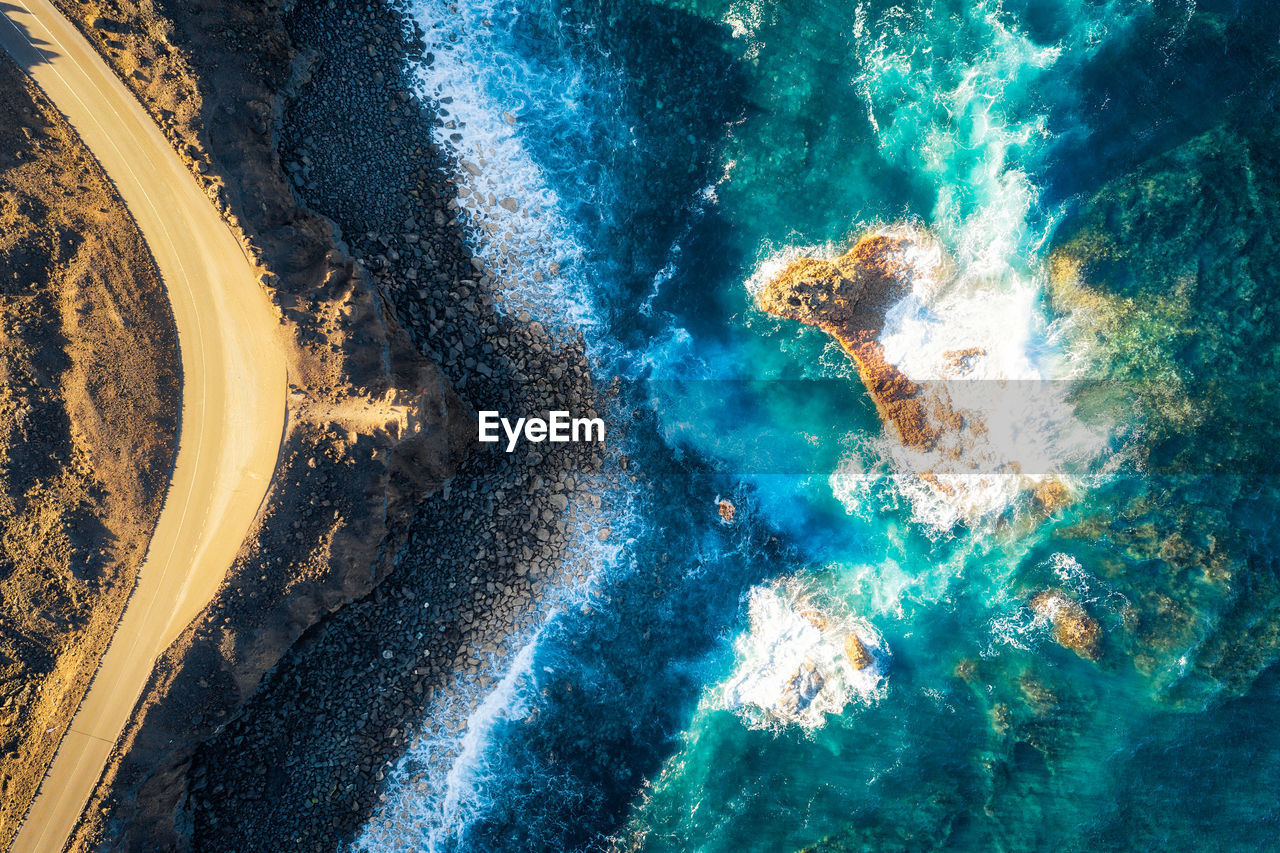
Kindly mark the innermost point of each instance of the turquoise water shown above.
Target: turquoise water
(1091, 188)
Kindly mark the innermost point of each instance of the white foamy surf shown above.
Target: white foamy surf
(799, 661)
(442, 783)
(972, 331)
(516, 223)
(526, 243)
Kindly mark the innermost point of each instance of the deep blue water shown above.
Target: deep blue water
(1091, 187)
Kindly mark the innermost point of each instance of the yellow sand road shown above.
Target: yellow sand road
(233, 395)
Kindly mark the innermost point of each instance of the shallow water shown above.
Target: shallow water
(1091, 188)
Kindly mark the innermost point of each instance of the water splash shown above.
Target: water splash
(973, 329)
(516, 222)
(800, 661)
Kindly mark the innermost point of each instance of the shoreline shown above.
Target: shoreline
(482, 582)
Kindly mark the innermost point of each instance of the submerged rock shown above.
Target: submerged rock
(814, 618)
(1073, 628)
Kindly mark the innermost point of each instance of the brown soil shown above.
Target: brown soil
(89, 396)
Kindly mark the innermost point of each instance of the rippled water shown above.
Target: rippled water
(1090, 189)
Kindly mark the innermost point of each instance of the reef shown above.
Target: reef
(1073, 627)
(1180, 326)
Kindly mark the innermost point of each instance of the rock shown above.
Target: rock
(727, 511)
(856, 652)
(848, 299)
(1040, 698)
(1073, 628)
(509, 204)
(1050, 495)
(814, 618)
(960, 361)
(802, 688)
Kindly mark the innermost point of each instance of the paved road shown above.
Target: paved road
(233, 395)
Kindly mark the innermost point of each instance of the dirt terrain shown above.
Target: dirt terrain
(89, 395)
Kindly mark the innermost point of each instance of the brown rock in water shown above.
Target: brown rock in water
(814, 618)
(802, 688)
(1050, 495)
(1073, 628)
(856, 652)
(960, 361)
(727, 511)
(848, 298)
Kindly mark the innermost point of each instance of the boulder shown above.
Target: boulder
(802, 688)
(848, 299)
(1050, 495)
(814, 618)
(1073, 628)
(726, 510)
(856, 651)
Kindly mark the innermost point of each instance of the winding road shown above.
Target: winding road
(233, 395)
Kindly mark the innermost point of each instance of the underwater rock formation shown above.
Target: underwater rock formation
(1073, 628)
(1167, 275)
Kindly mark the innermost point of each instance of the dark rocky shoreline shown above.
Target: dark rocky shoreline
(220, 761)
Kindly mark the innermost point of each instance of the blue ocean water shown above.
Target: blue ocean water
(1089, 191)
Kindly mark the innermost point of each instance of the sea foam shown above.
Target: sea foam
(528, 245)
(973, 331)
(515, 221)
(791, 664)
